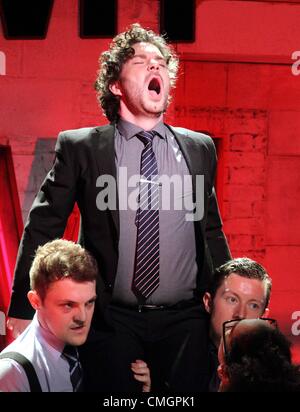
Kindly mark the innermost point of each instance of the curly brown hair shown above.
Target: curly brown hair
(261, 361)
(112, 60)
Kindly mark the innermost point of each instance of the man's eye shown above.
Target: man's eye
(91, 303)
(231, 299)
(67, 305)
(254, 306)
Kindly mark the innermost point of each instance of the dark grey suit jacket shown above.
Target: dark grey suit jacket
(81, 157)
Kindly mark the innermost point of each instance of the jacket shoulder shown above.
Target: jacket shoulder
(197, 137)
(83, 135)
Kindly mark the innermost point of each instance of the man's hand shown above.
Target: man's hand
(142, 374)
(17, 325)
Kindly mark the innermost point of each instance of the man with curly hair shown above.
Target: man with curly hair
(256, 357)
(155, 261)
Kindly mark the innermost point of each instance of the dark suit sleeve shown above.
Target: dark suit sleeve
(215, 238)
(47, 220)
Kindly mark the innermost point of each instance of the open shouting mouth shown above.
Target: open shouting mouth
(154, 87)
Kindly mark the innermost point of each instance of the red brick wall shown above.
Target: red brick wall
(236, 84)
(253, 109)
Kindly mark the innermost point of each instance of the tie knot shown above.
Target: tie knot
(146, 137)
(70, 353)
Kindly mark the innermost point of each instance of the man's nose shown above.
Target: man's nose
(240, 312)
(153, 65)
(80, 315)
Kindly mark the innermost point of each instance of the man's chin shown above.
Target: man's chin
(77, 340)
(155, 109)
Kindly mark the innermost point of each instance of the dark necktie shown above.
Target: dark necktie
(146, 272)
(71, 355)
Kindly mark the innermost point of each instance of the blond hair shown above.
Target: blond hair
(60, 259)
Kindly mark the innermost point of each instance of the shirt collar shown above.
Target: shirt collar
(129, 130)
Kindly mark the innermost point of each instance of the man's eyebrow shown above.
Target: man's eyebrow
(92, 299)
(238, 296)
(65, 301)
(227, 290)
(144, 56)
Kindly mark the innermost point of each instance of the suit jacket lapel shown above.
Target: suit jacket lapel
(193, 156)
(105, 158)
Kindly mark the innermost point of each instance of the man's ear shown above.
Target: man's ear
(115, 88)
(34, 299)
(266, 313)
(207, 300)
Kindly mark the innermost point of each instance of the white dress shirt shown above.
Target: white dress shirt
(44, 351)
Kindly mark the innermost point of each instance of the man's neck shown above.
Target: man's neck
(145, 122)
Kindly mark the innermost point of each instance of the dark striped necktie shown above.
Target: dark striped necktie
(70, 353)
(146, 272)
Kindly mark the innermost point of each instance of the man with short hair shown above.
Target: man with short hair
(240, 288)
(63, 293)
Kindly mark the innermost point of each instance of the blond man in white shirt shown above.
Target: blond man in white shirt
(63, 293)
